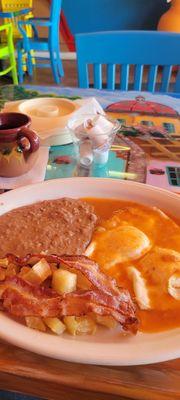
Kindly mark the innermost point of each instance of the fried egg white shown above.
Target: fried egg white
(119, 244)
(152, 221)
(159, 264)
(174, 285)
(161, 270)
(140, 288)
(139, 247)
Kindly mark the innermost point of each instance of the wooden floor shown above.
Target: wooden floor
(44, 76)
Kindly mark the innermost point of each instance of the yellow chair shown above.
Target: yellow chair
(7, 51)
(13, 6)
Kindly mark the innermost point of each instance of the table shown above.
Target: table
(36, 375)
(154, 153)
(57, 380)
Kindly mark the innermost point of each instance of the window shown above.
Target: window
(147, 123)
(169, 127)
(173, 174)
(122, 121)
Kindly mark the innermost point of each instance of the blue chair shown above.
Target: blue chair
(50, 44)
(126, 48)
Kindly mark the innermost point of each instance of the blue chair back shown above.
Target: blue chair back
(128, 48)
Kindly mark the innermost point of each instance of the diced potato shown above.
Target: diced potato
(71, 324)
(2, 274)
(80, 325)
(35, 323)
(107, 321)
(55, 325)
(4, 262)
(39, 272)
(64, 281)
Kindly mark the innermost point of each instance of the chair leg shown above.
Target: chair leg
(14, 75)
(29, 64)
(12, 58)
(20, 66)
(14, 70)
(60, 65)
(54, 66)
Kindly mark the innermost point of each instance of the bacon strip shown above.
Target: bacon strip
(21, 298)
(82, 264)
(94, 301)
(90, 270)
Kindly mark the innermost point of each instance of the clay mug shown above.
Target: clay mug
(19, 144)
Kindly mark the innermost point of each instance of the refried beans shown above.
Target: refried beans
(62, 226)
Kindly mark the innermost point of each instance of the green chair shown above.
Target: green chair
(7, 51)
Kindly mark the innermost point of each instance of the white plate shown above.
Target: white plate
(106, 347)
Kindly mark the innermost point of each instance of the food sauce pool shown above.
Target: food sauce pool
(150, 320)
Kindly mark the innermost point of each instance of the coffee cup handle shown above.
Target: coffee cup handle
(32, 138)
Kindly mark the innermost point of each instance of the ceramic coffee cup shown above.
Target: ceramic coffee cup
(19, 144)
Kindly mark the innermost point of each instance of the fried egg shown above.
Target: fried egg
(139, 246)
(117, 244)
(161, 270)
(150, 221)
(159, 265)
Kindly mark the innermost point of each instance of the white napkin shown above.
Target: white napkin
(88, 106)
(35, 175)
